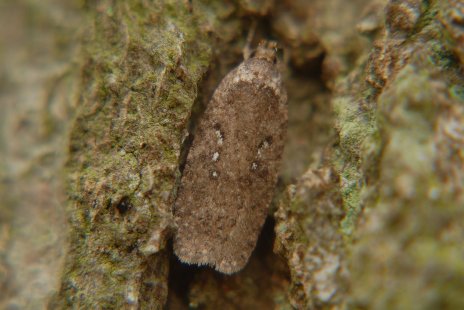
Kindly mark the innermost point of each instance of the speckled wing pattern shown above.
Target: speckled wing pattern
(232, 168)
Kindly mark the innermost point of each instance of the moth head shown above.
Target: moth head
(266, 50)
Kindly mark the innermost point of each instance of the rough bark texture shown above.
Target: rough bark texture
(97, 99)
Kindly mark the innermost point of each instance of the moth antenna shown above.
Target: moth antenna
(247, 50)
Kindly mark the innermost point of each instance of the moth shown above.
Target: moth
(232, 166)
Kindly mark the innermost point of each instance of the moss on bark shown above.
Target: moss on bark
(369, 208)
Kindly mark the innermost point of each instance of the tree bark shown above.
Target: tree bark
(99, 101)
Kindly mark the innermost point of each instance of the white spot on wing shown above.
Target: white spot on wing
(219, 136)
(254, 166)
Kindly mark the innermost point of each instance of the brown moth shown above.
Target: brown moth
(232, 166)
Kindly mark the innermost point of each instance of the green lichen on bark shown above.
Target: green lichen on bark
(308, 236)
(399, 117)
(413, 233)
(141, 65)
(401, 146)
(371, 216)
